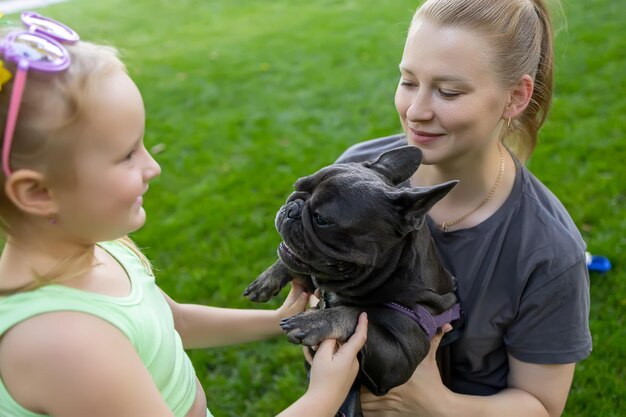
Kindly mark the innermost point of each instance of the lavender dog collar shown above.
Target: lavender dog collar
(427, 321)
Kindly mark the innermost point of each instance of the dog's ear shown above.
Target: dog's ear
(397, 164)
(414, 203)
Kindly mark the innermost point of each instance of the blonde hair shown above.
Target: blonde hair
(45, 134)
(520, 33)
(52, 105)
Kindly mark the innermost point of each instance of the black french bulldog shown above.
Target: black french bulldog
(350, 231)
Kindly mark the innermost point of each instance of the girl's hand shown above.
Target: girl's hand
(418, 396)
(295, 302)
(335, 366)
(333, 371)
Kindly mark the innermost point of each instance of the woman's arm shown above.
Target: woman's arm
(534, 390)
(203, 326)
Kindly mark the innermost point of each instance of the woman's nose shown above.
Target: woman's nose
(420, 108)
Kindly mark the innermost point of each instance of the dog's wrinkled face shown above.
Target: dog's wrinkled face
(346, 219)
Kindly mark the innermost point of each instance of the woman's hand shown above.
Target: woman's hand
(419, 396)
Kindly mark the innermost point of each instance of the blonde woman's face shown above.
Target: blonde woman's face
(113, 168)
(449, 99)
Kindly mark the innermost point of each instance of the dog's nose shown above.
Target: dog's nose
(294, 209)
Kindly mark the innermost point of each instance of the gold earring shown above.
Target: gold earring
(508, 122)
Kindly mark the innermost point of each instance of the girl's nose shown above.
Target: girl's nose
(152, 168)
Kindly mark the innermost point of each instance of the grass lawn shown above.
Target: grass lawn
(244, 97)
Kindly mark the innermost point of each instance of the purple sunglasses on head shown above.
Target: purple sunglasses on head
(37, 48)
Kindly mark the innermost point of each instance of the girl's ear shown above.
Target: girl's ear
(519, 97)
(29, 192)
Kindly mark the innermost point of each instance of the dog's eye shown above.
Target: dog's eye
(319, 220)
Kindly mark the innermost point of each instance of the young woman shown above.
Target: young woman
(475, 87)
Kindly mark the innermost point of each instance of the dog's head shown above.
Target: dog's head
(346, 219)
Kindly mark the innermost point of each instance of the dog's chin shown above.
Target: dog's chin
(291, 260)
(329, 272)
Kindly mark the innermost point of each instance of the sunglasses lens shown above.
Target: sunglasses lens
(50, 27)
(38, 51)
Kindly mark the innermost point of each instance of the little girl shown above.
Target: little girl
(84, 329)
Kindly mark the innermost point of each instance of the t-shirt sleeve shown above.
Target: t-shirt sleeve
(371, 149)
(552, 325)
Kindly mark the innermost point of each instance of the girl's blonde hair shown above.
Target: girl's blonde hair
(520, 33)
(45, 135)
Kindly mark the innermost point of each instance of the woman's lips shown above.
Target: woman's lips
(424, 138)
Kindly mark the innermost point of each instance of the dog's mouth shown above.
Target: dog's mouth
(290, 259)
(328, 272)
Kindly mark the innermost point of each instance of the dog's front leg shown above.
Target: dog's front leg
(395, 345)
(269, 283)
(313, 326)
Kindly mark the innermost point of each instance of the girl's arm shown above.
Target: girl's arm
(203, 326)
(534, 390)
(332, 373)
(70, 364)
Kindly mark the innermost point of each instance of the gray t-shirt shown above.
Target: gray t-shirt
(522, 282)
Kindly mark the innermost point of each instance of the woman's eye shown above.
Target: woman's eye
(448, 93)
(320, 220)
(405, 83)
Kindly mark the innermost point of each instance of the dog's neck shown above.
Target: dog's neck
(414, 268)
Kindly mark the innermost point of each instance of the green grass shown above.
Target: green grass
(247, 96)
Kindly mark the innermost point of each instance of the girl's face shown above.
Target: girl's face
(449, 99)
(112, 166)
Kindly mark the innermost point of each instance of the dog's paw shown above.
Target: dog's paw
(262, 289)
(313, 326)
(308, 328)
(269, 283)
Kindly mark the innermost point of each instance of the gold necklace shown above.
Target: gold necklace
(446, 225)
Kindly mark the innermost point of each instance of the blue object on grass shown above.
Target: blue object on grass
(598, 263)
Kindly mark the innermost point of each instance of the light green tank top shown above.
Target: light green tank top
(143, 316)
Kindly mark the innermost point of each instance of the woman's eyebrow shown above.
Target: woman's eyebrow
(450, 78)
(438, 78)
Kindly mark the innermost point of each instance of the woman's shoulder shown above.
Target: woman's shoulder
(539, 235)
(371, 149)
(543, 211)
